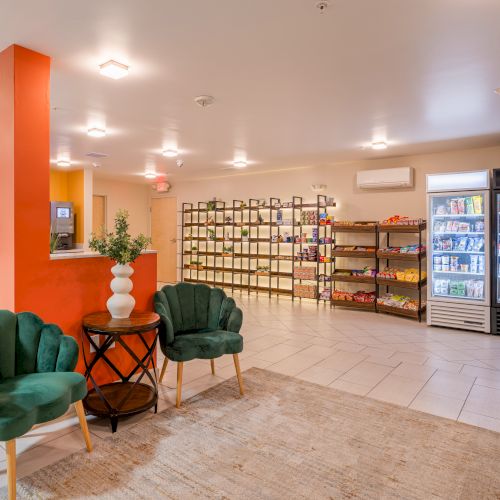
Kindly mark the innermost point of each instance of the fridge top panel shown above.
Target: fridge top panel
(458, 181)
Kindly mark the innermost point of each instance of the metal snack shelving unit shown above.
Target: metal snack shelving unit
(417, 258)
(208, 263)
(358, 228)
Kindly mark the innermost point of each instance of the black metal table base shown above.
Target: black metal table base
(125, 397)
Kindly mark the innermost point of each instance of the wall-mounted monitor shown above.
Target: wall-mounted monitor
(63, 212)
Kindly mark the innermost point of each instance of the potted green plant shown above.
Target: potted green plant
(194, 249)
(244, 234)
(54, 242)
(123, 249)
(227, 251)
(211, 205)
(211, 234)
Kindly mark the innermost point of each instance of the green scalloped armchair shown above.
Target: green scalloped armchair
(37, 381)
(198, 322)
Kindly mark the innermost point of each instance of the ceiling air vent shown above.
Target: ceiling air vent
(96, 155)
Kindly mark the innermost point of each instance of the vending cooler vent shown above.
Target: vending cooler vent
(456, 316)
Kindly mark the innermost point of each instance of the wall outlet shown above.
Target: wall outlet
(97, 341)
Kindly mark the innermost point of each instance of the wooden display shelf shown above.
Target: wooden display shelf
(281, 291)
(357, 227)
(355, 254)
(409, 313)
(353, 279)
(401, 228)
(368, 306)
(415, 285)
(400, 256)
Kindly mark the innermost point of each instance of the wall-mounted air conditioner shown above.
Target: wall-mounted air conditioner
(387, 178)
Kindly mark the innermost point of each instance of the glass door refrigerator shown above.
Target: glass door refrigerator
(495, 253)
(458, 207)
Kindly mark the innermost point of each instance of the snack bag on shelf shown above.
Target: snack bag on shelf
(478, 204)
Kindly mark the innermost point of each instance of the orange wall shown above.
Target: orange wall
(60, 291)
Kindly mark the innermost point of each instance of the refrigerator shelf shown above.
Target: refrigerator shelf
(458, 272)
(461, 233)
(463, 252)
(463, 297)
(457, 215)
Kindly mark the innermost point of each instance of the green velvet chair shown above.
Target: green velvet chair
(37, 382)
(198, 322)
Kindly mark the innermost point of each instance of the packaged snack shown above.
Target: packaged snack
(470, 244)
(461, 205)
(463, 227)
(479, 226)
(441, 210)
(454, 206)
(480, 264)
(449, 226)
(478, 244)
(469, 205)
(464, 268)
(478, 204)
(461, 244)
(454, 263)
(445, 260)
(447, 244)
(473, 263)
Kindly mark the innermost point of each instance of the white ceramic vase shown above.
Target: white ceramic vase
(121, 303)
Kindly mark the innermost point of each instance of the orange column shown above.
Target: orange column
(24, 167)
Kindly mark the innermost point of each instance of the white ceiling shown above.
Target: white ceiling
(294, 87)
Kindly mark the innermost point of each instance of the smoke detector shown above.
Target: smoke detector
(322, 5)
(180, 163)
(204, 100)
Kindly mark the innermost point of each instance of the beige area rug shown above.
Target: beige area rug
(286, 439)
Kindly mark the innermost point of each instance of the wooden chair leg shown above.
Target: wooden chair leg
(212, 365)
(238, 372)
(83, 424)
(180, 366)
(11, 469)
(163, 369)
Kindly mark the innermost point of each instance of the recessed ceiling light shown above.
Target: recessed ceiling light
(379, 145)
(64, 163)
(170, 153)
(113, 69)
(497, 91)
(240, 163)
(150, 175)
(96, 132)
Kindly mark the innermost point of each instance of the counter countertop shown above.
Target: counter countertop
(82, 254)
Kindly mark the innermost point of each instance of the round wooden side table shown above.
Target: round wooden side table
(124, 397)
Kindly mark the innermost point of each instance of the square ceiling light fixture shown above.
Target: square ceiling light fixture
(113, 69)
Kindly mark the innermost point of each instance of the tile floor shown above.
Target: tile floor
(448, 373)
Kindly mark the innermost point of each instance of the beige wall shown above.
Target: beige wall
(133, 197)
(353, 203)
